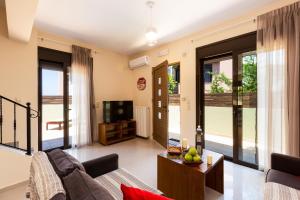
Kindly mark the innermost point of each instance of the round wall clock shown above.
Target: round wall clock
(141, 83)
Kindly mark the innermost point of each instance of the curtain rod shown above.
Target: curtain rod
(223, 29)
(42, 39)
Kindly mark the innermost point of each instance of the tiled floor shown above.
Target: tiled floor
(138, 156)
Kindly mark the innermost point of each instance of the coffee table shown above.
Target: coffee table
(183, 182)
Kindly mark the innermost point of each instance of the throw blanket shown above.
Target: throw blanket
(44, 183)
(112, 181)
(275, 191)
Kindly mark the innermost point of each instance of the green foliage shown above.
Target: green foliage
(171, 84)
(218, 82)
(249, 74)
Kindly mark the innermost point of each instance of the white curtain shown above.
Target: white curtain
(278, 96)
(272, 104)
(81, 96)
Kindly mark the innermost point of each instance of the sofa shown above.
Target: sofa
(56, 175)
(283, 179)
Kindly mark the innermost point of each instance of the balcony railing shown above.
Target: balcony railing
(30, 113)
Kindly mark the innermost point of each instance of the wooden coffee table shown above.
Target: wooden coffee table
(183, 182)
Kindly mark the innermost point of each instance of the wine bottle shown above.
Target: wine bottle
(198, 139)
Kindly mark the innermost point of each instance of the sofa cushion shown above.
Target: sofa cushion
(112, 182)
(63, 163)
(131, 193)
(44, 184)
(80, 186)
(283, 178)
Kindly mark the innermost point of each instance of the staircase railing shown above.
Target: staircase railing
(30, 113)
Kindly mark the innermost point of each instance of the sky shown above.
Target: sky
(52, 82)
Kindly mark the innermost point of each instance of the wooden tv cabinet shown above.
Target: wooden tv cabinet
(110, 133)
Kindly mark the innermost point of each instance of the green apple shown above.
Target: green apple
(197, 158)
(188, 157)
(193, 151)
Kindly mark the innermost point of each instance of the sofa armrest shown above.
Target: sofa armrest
(102, 165)
(285, 163)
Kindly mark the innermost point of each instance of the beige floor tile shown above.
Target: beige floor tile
(138, 156)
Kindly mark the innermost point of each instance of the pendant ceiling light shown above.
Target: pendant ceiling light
(151, 34)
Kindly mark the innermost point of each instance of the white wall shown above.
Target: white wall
(112, 77)
(184, 51)
(19, 81)
(113, 80)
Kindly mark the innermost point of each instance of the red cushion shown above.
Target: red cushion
(131, 193)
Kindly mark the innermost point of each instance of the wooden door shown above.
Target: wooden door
(160, 103)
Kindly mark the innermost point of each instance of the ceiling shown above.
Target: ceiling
(120, 25)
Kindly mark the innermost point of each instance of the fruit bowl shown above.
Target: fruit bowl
(188, 162)
(192, 163)
(191, 157)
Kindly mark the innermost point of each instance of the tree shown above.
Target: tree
(171, 84)
(249, 74)
(218, 83)
(249, 81)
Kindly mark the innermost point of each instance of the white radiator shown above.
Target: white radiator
(142, 117)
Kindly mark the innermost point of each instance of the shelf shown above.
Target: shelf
(116, 140)
(113, 132)
(113, 139)
(129, 129)
(116, 132)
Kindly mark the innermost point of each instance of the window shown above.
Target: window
(207, 73)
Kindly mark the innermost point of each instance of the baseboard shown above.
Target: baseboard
(10, 187)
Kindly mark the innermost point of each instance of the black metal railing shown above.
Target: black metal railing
(30, 113)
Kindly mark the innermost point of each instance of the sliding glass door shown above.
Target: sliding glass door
(226, 98)
(246, 106)
(218, 107)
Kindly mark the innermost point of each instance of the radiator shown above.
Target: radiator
(142, 117)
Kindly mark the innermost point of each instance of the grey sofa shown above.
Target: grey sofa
(59, 176)
(283, 179)
(284, 170)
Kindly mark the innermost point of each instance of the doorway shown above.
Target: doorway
(160, 103)
(174, 103)
(226, 98)
(54, 99)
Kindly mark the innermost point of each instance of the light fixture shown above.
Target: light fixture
(151, 33)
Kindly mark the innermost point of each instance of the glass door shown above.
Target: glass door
(230, 86)
(226, 97)
(218, 109)
(246, 108)
(54, 106)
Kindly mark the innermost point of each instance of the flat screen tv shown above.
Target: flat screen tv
(114, 111)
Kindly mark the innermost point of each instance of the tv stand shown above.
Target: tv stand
(110, 133)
